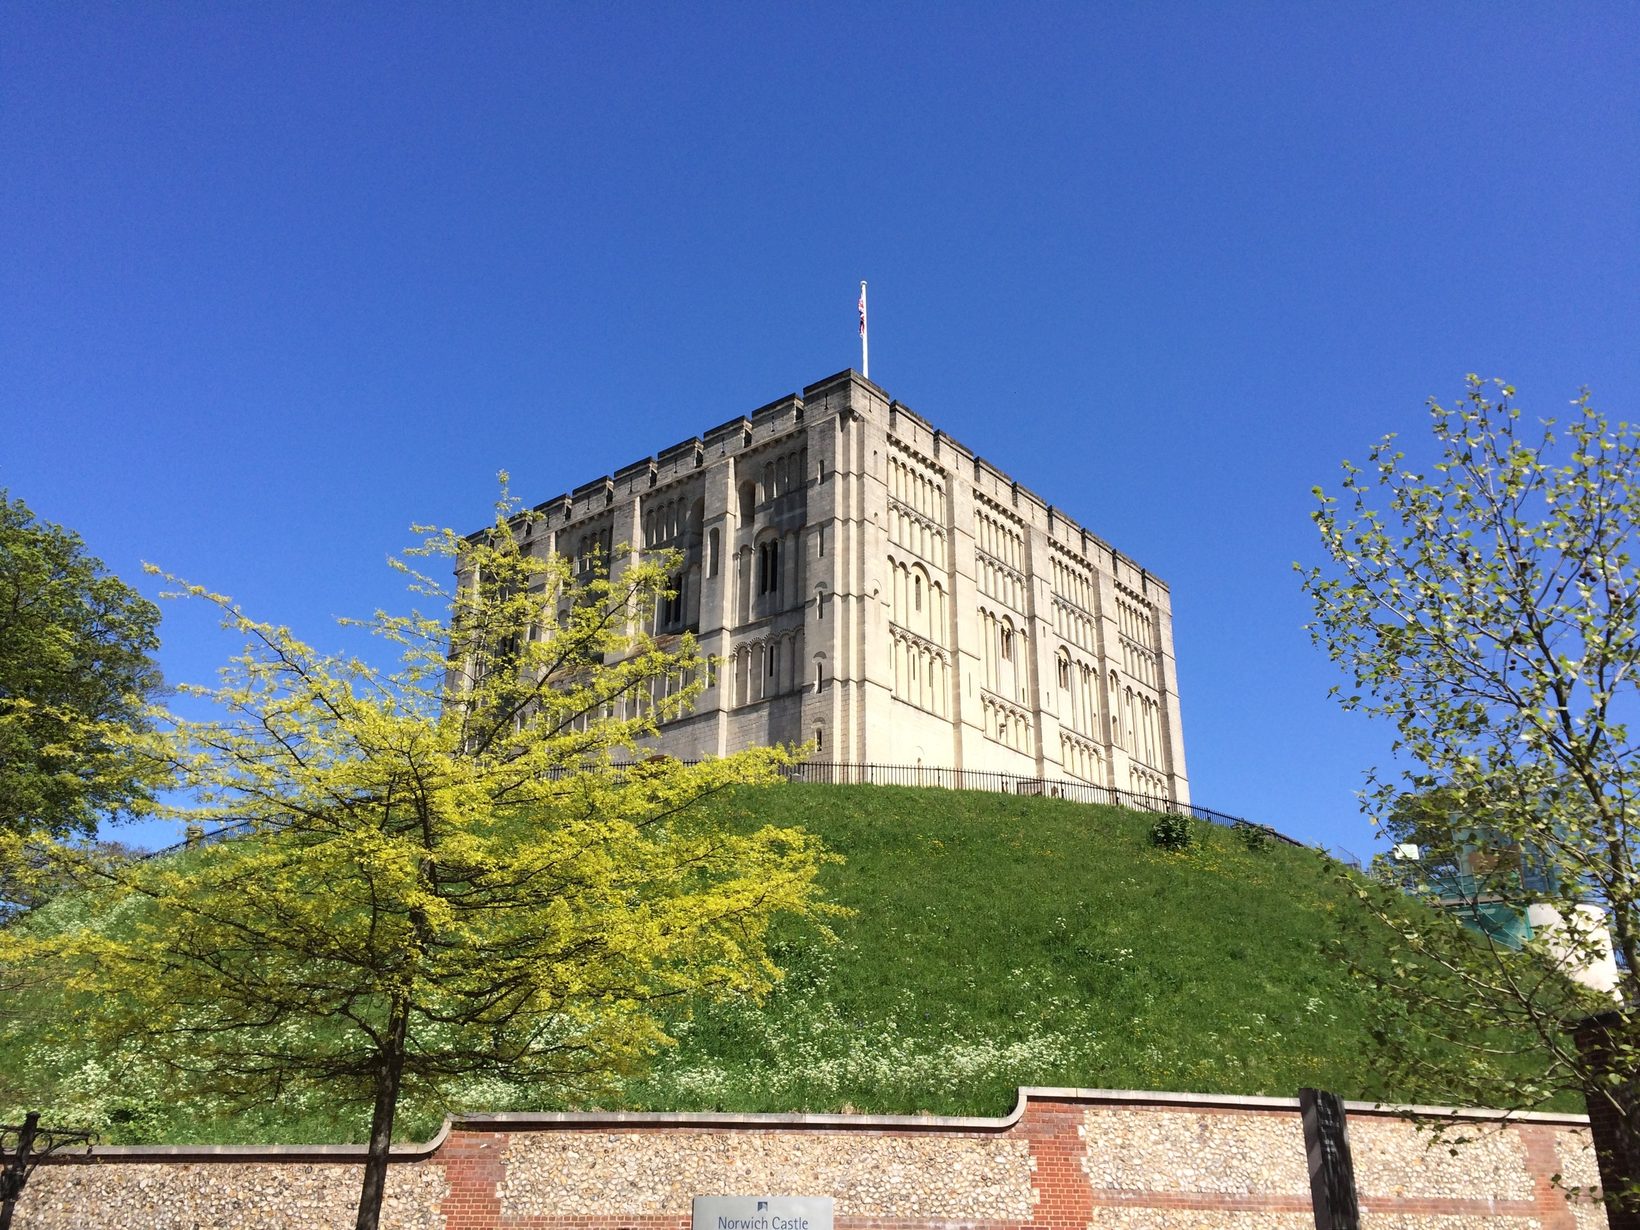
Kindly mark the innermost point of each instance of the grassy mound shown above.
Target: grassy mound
(995, 941)
(1000, 941)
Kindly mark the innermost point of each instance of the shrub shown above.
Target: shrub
(1254, 836)
(1172, 833)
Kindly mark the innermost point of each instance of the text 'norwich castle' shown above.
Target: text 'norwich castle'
(870, 586)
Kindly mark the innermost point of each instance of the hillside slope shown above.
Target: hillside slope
(994, 941)
(1000, 941)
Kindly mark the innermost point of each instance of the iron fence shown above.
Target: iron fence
(198, 835)
(1011, 783)
(837, 773)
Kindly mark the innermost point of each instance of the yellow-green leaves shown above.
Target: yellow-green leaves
(452, 840)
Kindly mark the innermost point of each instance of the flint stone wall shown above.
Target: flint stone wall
(1066, 1159)
(240, 1195)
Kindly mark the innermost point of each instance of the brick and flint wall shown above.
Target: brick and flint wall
(1064, 1160)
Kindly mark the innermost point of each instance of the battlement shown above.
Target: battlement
(849, 392)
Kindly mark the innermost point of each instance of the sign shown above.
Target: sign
(762, 1213)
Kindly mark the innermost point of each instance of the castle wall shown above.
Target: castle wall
(867, 584)
(1064, 1160)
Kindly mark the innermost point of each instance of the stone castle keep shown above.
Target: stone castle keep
(869, 585)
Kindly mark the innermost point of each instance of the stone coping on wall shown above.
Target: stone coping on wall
(413, 1152)
(1407, 1111)
(527, 1121)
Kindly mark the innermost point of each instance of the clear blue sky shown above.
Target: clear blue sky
(279, 279)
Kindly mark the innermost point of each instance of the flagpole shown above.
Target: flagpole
(865, 339)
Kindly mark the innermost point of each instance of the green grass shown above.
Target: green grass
(994, 941)
(1000, 941)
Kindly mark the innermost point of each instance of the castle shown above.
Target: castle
(870, 586)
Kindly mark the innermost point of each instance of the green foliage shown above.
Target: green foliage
(1435, 977)
(1172, 832)
(75, 672)
(997, 942)
(1487, 605)
(446, 882)
(1254, 837)
(993, 941)
(1436, 820)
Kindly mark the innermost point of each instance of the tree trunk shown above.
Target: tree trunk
(1614, 1113)
(381, 1118)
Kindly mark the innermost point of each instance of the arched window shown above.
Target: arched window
(743, 583)
(916, 589)
(768, 567)
(988, 643)
(672, 606)
(748, 499)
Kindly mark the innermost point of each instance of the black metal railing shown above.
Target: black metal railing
(836, 773)
(198, 835)
(1007, 783)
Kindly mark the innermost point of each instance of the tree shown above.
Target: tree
(1433, 822)
(75, 669)
(1488, 608)
(441, 875)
